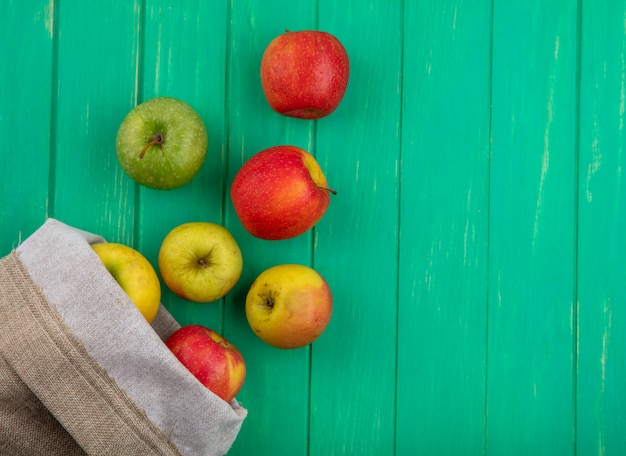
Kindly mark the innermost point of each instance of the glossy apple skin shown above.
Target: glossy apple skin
(200, 261)
(305, 74)
(214, 361)
(135, 275)
(280, 193)
(289, 306)
(175, 161)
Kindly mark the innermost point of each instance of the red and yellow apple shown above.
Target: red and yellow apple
(304, 74)
(214, 361)
(200, 261)
(289, 306)
(134, 274)
(280, 193)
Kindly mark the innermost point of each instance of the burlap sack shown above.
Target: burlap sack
(82, 372)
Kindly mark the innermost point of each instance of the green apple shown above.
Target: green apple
(162, 143)
(200, 261)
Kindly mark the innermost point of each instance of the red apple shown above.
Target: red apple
(305, 74)
(280, 193)
(215, 362)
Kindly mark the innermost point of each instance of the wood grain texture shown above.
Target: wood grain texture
(531, 323)
(26, 78)
(277, 385)
(195, 73)
(475, 248)
(96, 60)
(442, 319)
(601, 368)
(353, 363)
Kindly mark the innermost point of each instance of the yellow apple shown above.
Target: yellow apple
(289, 306)
(200, 261)
(134, 273)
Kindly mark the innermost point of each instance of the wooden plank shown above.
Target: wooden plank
(194, 73)
(531, 333)
(601, 404)
(277, 386)
(353, 365)
(444, 229)
(456, 327)
(26, 73)
(95, 89)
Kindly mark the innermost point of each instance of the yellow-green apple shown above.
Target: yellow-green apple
(134, 273)
(200, 261)
(214, 361)
(280, 193)
(304, 74)
(289, 305)
(162, 143)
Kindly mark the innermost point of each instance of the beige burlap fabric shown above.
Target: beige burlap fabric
(82, 372)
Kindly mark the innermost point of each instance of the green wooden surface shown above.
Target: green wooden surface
(531, 318)
(476, 249)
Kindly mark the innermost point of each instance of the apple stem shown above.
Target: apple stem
(327, 189)
(156, 140)
(203, 264)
